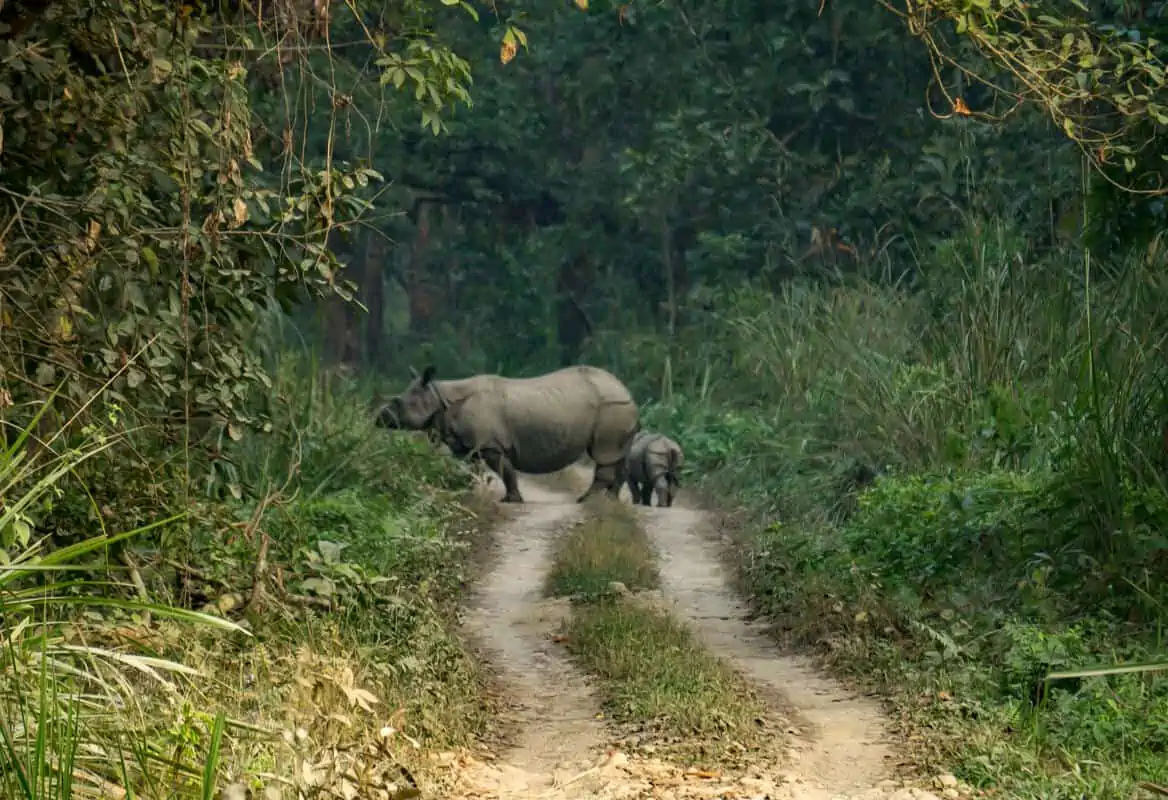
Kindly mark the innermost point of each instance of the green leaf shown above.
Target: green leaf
(330, 551)
(23, 531)
(320, 586)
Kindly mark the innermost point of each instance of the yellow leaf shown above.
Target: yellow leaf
(362, 698)
(91, 235)
(507, 52)
(582, 5)
(64, 327)
(240, 209)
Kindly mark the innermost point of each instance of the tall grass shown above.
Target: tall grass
(987, 361)
(339, 552)
(960, 483)
(57, 685)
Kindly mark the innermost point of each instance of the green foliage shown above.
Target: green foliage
(878, 329)
(102, 687)
(368, 533)
(590, 204)
(958, 486)
(323, 439)
(56, 682)
(929, 531)
(1094, 68)
(146, 212)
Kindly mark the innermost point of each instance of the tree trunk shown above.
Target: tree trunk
(341, 341)
(422, 294)
(373, 294)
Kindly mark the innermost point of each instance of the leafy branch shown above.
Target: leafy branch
(1103, 84)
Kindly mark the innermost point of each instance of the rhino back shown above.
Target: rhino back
(543, 424)
(658, 455)
(640, 459)
(550, 422)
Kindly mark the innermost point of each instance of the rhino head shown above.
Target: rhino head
(415, 408)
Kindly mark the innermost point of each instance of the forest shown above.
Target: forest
(891, 273)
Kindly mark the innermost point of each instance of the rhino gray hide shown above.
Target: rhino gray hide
(654, 465)
(534, 425)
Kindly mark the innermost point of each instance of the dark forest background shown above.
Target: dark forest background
(891, 273)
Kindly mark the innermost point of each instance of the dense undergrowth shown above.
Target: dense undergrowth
(298, 636)
(956, 489)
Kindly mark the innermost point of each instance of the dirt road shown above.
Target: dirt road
(838, 746)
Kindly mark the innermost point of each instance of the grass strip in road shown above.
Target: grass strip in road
(651, 672)
(609, 546)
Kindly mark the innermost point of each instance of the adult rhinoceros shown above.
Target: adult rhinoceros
(535, 425)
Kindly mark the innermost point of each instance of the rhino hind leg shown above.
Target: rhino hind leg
(606, 477)
(502, 467)
(634, 489)
(646, 498)
(664, 491)
(618, 480)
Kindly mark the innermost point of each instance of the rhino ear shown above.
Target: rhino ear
(428, 374)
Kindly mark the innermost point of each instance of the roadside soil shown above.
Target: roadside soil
(557, 744)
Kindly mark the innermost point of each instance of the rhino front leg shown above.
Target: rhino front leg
(502, 467)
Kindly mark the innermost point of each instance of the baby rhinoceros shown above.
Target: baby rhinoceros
(654, 465)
